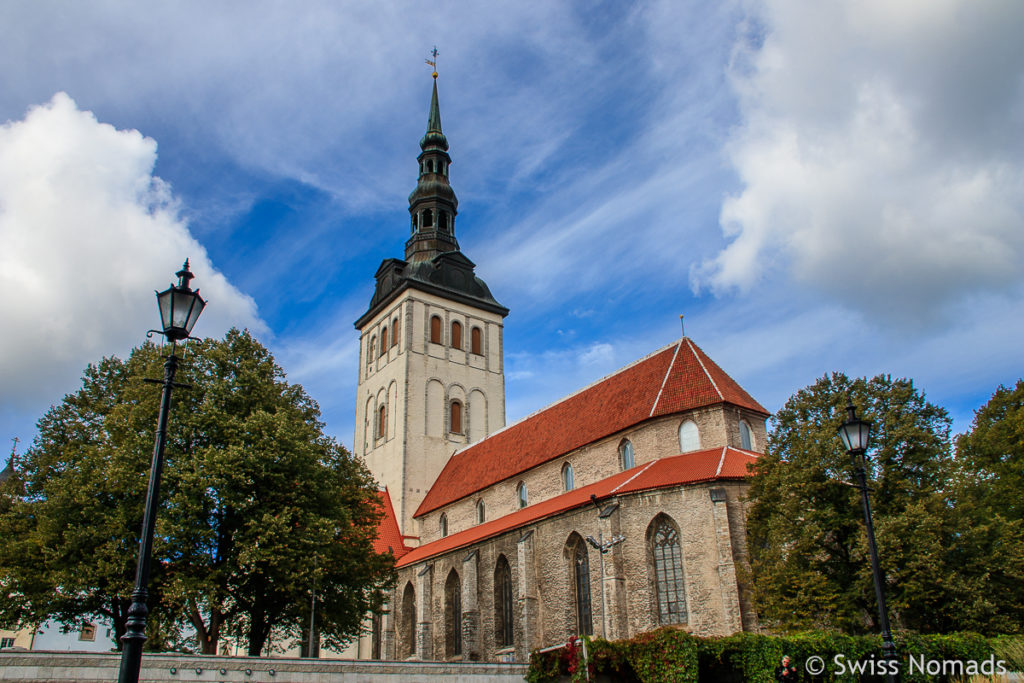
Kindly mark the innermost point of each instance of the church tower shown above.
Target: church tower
(431, 371)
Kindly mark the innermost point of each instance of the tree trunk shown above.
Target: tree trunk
(207, 636)
(259, 629)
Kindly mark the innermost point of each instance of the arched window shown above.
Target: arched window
(382, 422)
(412, 230)
(503, 631)
(746, 436)
(371, 350)
(442, 220)
(581, 589)
(521, 494)
(689, 437)
(435, 329)
(456, 334)
(443, 525)
(428, 218)
(407, 634)
(452, 615)
(669, 579)
(383, 340)
(568, 481)
(476, 342)
(456, 417)
(394, 331)
(626, 459)
(481, 512)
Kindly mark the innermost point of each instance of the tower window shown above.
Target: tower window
(394, 331)
(476, 341)
(568, 480)
(521, 494)
(413, 229)
(456, 417)
(626, 458)
(442, 221)
(371, 350)
(428, 218)
(435, 329)
(430, 166)
(383, 340)
(456, 334)
(382, 422)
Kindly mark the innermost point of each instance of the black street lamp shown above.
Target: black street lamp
(179, 310)
(855, 433)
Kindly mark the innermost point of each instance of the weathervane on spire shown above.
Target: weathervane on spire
(433, 62)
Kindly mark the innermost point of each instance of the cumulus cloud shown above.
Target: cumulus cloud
(88, 232)
(880, 154)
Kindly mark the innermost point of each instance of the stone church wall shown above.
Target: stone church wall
(711, 530)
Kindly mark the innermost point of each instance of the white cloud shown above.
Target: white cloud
(89, 233)
(880, 154)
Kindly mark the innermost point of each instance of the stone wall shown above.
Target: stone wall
(710, 522)
(62, 667)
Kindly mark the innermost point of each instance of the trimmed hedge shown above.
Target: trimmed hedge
(671, 655)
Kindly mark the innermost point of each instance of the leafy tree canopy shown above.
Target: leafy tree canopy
(949, 530)
(258, 507)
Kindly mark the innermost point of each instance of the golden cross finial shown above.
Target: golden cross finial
(433, 62)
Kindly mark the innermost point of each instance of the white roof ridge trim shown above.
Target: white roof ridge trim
(668, 371)
(642, 470)
(721, 461)
(566, 398)
(708, 374)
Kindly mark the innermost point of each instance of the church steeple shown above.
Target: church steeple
(433, 204)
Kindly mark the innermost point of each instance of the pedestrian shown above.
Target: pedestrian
(786, 672)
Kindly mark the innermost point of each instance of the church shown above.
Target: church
(618, 509)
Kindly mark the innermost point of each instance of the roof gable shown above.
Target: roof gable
(689, 468)
(389, 537)
(673, 379)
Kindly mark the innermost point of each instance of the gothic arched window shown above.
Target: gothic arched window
(746, 436)
(568, 480)
(435, 329)
(581, 589)
(407, 634)
(383, 340)
(452, 615)
(456, 417)
(626, 458)
(456, 334)
(443, 525)
(394, 331)
(476, 344)
(503, 624)
(371, 350)
(481, 512)
(521, 494)
(382, 422)
(669, 578)
(689, 437)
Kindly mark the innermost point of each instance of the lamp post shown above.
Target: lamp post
(179, 310)
(855, 433)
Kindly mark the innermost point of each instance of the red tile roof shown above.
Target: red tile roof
(690, 468)
(673, 379)
(388, 535)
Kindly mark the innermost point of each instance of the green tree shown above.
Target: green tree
(990, 510)
(809, 559)
(258, 507)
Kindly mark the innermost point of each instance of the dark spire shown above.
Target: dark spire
(434, 138)
(433, 204)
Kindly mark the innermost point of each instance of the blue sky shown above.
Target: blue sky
(824, 187)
